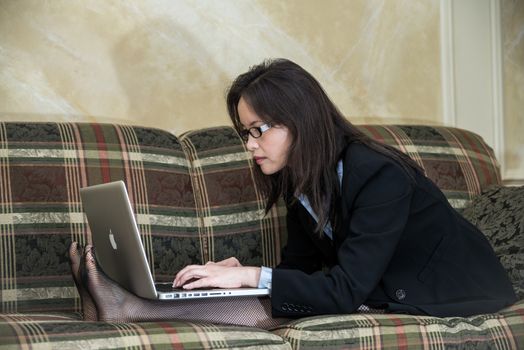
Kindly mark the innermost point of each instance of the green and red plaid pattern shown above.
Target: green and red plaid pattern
(60, 332)
(457, 160)
(43, 165)
(195, 200)
(230, 209)
(501, 331)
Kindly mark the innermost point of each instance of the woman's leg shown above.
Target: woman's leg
(88, 307)
(116, 304)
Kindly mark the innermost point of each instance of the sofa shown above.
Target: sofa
(195, 200)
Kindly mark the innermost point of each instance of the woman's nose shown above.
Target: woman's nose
(251, 143)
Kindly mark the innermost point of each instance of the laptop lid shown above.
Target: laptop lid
(118, 247)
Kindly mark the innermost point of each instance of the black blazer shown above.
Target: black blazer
(397, 245)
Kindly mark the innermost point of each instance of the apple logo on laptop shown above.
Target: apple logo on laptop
(112, 239)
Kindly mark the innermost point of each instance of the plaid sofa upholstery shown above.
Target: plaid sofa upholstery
(44, 165)
(503, 330)
(228, 203)
(61, 332)
(458, 161)
(195, 200)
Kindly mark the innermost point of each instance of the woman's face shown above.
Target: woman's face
(271, 149)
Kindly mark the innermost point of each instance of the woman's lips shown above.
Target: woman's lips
(259, 160)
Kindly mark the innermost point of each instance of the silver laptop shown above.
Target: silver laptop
(120, 253)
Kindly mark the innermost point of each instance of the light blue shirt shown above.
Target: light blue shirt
(266, 273)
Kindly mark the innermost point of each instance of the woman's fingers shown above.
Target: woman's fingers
(216, 276)
(200, 283)
(199, 271)
(188, 273)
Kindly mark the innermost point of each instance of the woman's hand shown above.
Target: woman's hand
(230, 262)
(228, 273)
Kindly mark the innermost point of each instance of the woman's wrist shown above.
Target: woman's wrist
(252, 276)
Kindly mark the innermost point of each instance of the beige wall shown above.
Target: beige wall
(167, 63)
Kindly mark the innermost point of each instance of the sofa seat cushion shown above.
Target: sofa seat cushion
(499, 214)
(504, 330)
(62, 332)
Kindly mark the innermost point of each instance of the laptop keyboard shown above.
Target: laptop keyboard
(166, 287)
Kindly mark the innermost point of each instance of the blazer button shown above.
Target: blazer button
(400, 294)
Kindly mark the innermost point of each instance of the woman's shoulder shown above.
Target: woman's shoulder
(361, 161)
(357, 154)
(381, 177)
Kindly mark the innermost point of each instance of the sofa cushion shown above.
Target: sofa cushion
(230, 208)
(499, 214)
(458, 161)
(504, 330)
(194, 196)
(42, 167)
(60, 332)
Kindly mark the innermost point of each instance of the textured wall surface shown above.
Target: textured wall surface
(513, 61)
(167, 63)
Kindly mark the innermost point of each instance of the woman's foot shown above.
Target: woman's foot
(88, 307)
(114, 303)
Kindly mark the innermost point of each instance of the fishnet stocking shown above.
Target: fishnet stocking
(115, 304)
(88, 307)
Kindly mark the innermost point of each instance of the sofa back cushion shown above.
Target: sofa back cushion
(194, 196)
(230, 209)
(42, 167)
(458, 161)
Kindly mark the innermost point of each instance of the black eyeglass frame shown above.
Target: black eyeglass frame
(255, 131)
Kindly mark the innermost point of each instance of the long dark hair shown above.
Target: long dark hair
(283, 93)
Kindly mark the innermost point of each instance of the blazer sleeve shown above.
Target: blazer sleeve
(376, 197)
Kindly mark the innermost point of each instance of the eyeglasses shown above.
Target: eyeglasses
(255, 131)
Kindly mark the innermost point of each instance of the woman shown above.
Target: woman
(366, 228)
